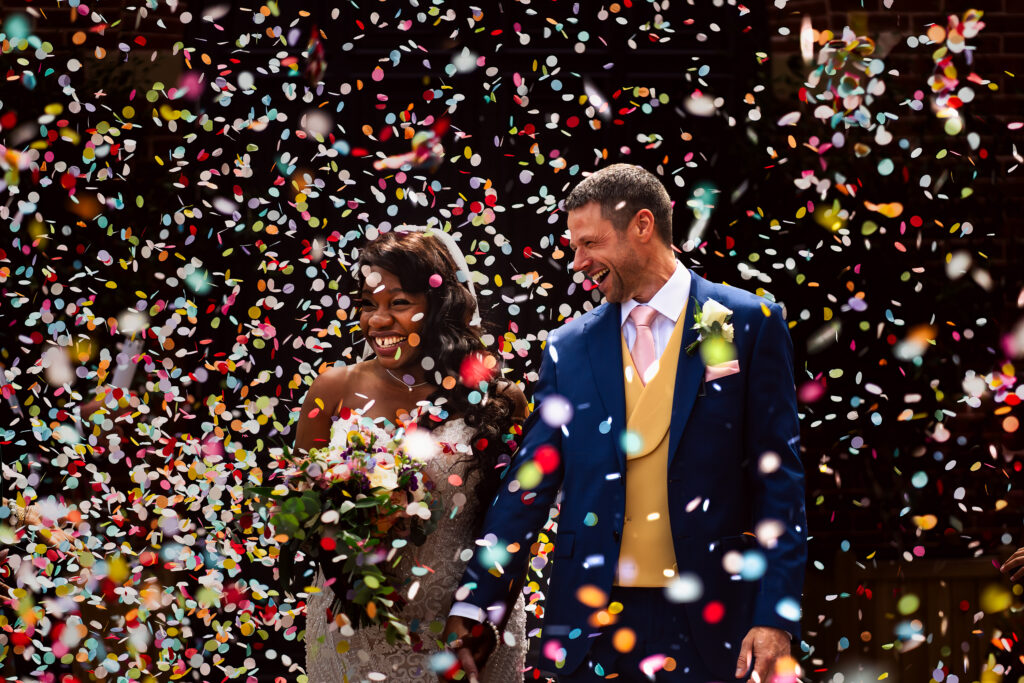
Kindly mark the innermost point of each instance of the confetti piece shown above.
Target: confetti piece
(190, 241)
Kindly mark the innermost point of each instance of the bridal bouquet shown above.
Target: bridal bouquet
(352, 506)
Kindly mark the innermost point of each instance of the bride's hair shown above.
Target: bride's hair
(448, 339)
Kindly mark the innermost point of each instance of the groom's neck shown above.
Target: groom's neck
(659, 269)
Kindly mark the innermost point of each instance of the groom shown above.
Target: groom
(682, 533)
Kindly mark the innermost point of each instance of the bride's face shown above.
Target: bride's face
(392, 320)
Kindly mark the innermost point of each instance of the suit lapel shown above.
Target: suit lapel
(690, 372)
(604, 336)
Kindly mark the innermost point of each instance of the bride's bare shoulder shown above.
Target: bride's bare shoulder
(340, 382)
(340, 374)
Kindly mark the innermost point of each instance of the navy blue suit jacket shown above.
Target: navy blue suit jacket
(720, 487)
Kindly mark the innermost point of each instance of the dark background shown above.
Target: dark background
(900, 506)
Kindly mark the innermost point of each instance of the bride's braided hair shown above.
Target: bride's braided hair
(448, 339)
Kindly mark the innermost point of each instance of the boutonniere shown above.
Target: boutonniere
(712, 324)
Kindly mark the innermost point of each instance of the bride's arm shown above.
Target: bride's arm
(320, 405)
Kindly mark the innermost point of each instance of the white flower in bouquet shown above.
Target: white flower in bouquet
(339, 441)
(384, 477)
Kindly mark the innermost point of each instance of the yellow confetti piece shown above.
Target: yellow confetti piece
(117, 569)
(995, 598)
(926, 522)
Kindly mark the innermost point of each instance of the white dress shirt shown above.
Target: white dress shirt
(670, 303)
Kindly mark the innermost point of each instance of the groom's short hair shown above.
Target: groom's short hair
(622, 190)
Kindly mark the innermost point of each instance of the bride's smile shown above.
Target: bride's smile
(392, 320)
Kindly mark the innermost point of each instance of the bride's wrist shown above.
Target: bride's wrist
(496, 631)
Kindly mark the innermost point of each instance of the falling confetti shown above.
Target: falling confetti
(185, 190)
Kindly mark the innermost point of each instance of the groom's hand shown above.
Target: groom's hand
(1014, 567)
(762, 646)
(472, 643)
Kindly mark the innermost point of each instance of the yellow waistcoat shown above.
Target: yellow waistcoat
(646, 556)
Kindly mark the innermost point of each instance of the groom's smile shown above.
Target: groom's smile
(617, 261)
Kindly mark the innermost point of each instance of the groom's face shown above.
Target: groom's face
(609, 258)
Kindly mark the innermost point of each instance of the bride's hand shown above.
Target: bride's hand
(398, 520)
(472, 643)
(51, 533)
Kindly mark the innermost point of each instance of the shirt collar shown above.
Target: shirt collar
(670, 300)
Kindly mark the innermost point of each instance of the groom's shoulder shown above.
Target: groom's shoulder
(574, 327)
(737, 299)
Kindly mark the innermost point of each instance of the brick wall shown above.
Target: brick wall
(851, 611)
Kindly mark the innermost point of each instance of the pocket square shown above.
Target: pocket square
(720, 370)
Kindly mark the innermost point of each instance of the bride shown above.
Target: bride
(421, 323)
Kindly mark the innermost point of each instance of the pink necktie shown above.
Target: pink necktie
(643, 346)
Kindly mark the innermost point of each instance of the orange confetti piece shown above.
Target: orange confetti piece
(591, 596)
(624, 640)
(890, 210)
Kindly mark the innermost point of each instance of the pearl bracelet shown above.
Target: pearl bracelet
(497, 633)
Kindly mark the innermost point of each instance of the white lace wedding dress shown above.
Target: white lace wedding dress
(366, 655)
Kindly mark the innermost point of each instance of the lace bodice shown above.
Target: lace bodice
(433, 571)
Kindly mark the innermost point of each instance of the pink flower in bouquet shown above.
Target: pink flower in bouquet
(340, 472)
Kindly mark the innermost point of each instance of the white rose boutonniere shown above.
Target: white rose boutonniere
(715, 332)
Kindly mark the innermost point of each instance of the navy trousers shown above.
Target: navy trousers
(659, 627)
